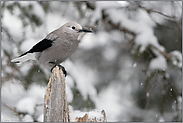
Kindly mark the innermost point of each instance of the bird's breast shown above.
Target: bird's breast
(59, 52)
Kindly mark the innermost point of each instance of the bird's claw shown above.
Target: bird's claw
(60, 67)
(63, 69)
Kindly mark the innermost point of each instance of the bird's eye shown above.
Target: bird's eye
(73, 27)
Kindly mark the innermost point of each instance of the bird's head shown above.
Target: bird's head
(74, 29)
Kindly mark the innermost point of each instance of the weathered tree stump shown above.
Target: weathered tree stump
(56, 107)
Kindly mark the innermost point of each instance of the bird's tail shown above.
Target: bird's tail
(24, 58)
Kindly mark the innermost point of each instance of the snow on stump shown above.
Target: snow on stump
(93, 116)
(56, 107)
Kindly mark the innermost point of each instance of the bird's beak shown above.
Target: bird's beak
(84, 30)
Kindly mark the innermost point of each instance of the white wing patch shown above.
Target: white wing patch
(24, 58)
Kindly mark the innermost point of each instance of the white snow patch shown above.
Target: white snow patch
(13, 24)
(147, 94)
(123, 3)
(143, 16)
(109, 100)
(9, 2)
(142, 26)
(161, 119)
(37, 34)
(76, 113)
(69, 93)
(11, 92)
(6, 46)
(91, 115)
(14, 95)
(38, 92)
(100, 5)
(102, 38)
(179, 99)
(37, 8)
(84, 83)
(40, 118)
(90, 41)
(158, 63)
(116, 35)
(53, 21)
(110, 53)
(27, 44)
(95, 113)
(35, 95)
(25, 67)
(176, 58)
(158, 18)
(8, 117)
(69, 81)
(28, 118)
(27, 105)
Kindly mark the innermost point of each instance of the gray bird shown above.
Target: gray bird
(56, 47)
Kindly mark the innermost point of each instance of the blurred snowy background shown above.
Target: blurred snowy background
(130, 67)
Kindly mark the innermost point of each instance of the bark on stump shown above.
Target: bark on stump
(56, 107)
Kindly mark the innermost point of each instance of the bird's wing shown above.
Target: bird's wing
(39, 47)
(42, 45)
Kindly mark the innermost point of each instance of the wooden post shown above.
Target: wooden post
(56, 107)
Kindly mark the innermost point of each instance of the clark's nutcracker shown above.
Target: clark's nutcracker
(56, 47)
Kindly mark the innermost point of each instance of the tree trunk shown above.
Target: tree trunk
(56, 107)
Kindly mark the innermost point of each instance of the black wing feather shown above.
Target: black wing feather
(40, 46)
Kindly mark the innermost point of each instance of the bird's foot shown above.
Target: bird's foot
(63, 69)
(60, 67)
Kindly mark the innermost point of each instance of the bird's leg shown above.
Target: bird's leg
(60, 66)
(52, 68)
(63, 69)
